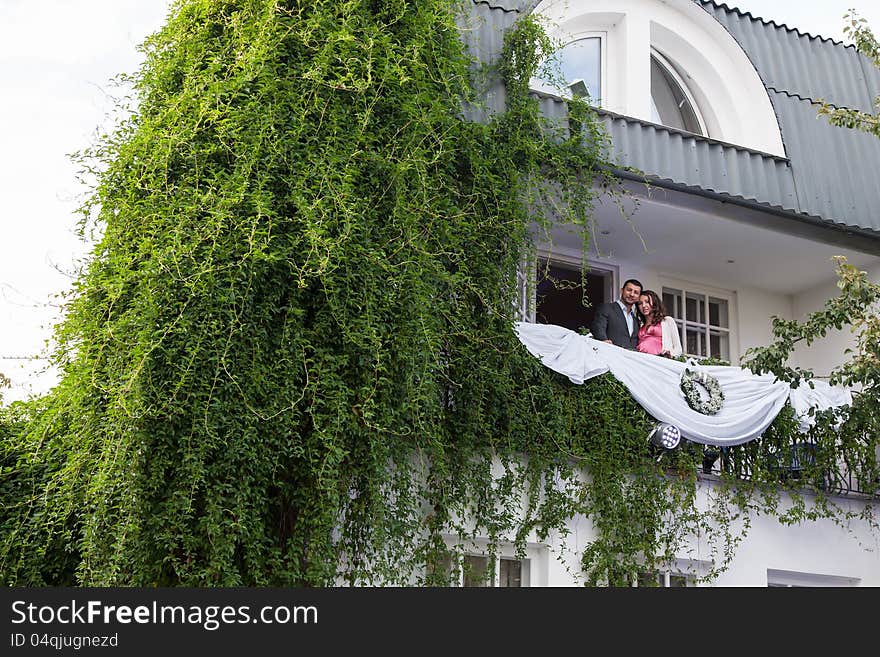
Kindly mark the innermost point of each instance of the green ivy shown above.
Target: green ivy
(290, 359)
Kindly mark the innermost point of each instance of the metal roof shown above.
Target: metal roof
(834, 169)
(799, 64)
(829, 174)
(684, 159)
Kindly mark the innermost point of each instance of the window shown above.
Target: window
(560, 294)
(671, 104)
(580, 63)
(576, 69)
(472, 570)
(792, 579)
(703, 319)
(666, 579)
(510, 573)
(663, 62)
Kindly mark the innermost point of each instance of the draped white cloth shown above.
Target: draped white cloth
(820, 396)
(751, 402)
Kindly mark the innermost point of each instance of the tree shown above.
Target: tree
(296, 301)
(866, 43)
(856, 307)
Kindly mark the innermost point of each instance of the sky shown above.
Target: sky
(57, 62)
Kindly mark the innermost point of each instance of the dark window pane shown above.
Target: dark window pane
(718, 313)
(669, 104)
(695, 342)
(719, 342)
(695, 307)
(475, 571)
(649, 579)
(560, 296)
(671, 299)
(510, 573)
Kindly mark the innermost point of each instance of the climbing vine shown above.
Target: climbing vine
(290, 359)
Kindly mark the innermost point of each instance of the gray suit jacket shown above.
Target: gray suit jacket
(609, 323)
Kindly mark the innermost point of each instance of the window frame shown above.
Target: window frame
(544, 85)
(534, 560)
(682, 323)
(457, 567)
(794, 579)
(672, 70)
(664, 577)
(527, 278)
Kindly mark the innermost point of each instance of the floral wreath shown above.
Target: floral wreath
(690, 385)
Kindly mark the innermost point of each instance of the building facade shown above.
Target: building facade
(739, 198)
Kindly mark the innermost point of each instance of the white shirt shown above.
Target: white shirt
(628, 315)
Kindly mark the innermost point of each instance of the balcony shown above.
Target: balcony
(796, 463)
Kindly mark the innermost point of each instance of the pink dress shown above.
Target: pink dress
(651, 339)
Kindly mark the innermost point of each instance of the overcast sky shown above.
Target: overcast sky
(57, 58)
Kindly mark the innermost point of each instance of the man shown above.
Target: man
(617, 323)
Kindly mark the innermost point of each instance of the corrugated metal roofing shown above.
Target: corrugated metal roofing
(830, 172)
(483, 25)
(696, 162)
(690, 160)
(835, 169)
(799, 64)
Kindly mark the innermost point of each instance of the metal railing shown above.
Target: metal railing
(794, 464)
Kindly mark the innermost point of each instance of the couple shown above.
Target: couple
(649, 330)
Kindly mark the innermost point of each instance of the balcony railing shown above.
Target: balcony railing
(795, 463)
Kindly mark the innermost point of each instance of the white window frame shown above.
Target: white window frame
(458, 565)
(665, 575)
(692, 570)
(790, 579)
(534, 562)
(673, 71)
(706, 290)
(528, 278)
(603, 62)
(540, 85)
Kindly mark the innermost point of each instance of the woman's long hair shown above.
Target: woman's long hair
(658, 310)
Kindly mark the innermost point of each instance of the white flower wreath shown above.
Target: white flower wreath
(690, 382)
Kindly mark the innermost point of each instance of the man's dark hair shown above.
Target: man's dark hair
(634, 282)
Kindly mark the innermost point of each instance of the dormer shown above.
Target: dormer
(664, 62)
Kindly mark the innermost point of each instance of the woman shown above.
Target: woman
(659, 332)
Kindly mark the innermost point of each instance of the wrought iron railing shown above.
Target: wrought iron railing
(793, 464)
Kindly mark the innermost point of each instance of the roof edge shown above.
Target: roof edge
(853, 237)
(765, 21)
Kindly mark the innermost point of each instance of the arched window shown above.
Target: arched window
(671, 103)
(580, 64)
(664, 61)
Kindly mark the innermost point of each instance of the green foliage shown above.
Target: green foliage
(850, 436)
(291, 361)
(866, 43)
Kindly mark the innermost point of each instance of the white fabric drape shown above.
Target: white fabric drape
(750, 402)
(818, 395)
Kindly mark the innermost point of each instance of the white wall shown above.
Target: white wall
(817, 548)
(812, 553)
(816, 553)
(755, 308)
(822, 356)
